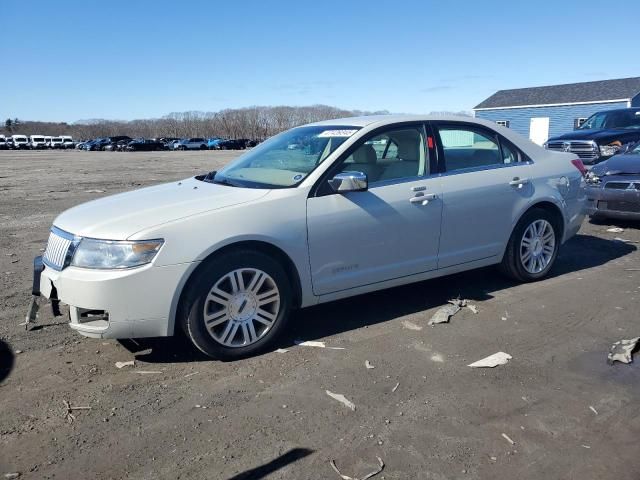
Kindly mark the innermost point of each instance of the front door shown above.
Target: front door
(539, 130)
(391, 230)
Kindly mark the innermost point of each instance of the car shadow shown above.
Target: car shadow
(7, 359)
(628, 224)
(283, 460)
(580, 253)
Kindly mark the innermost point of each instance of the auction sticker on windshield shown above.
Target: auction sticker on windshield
(336, 133)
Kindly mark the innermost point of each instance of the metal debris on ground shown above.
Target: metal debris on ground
(632, 269)
(313, 343)
(367, 364)
(94, 191)
(622, 350)
(32, 312)
(68, 414)
(366, 477)
(342, 399)
(593, 410)
(191, 374)
(615, 230)
(499, 358)
(395, 388)
(506, 437)
(447, 311)
(130, 363)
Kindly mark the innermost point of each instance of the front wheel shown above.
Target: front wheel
(533, 246)
(237, 305)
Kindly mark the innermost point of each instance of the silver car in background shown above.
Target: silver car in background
(613, 187)
(317, 213)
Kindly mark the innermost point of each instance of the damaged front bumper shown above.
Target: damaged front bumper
(128, 303)
(613, 203)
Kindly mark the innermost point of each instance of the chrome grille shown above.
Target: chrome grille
(585, 149)
(58, 246)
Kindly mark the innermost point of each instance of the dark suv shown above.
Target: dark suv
(601, 136)
(101, 143)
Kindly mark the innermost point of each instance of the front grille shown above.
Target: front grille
(585, 149)
(624, 206)
(619, 185)
(58, 246)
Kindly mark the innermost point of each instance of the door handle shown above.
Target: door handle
(423, 199)
(518, 182)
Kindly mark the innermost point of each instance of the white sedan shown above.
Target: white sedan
(317, 213)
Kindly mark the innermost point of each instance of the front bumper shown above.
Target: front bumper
(612, 203)
(116, 303)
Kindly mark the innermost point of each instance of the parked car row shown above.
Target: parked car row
(35, 142)
(124, 143)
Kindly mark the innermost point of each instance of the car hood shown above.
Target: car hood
(623, 164)
(591, 134)
(118, 217)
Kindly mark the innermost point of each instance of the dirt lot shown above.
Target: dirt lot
(269, 416)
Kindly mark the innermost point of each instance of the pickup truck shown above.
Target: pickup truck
(601, 136)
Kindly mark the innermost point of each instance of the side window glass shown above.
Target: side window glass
(391, 155)
(509, 154)
(465, 147)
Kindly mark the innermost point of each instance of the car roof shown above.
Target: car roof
(381, 120)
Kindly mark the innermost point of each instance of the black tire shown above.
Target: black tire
(198, 288)
(512, 265)
(203, 147)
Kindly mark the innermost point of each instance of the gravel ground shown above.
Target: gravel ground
(269, 416)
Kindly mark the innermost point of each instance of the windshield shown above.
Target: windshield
(57, 139)
(286, 159)
(38, 139)
(614, 119)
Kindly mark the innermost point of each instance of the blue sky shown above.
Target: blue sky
(71, 60)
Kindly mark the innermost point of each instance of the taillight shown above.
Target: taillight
(580, 166)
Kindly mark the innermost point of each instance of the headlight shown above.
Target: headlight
(592, 178)
(109, 254)
(609, 150)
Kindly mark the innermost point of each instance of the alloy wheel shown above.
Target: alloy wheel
(537, 246)
(241, 307)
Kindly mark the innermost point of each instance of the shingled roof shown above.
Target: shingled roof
(603, 90)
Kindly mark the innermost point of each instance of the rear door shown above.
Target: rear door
(485, 184)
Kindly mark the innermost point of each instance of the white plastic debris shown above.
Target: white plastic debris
(473, 308)
(342, 399)
(395, 387)
(615, 230)
(366, 477)
(625, 240)
(282, 350)
(506, 437)
(130, 363)
(94, 191)
(621, 351)
(499, 358)
(147, 372)
(411, 326)
(367, 364)
(593, 410)
(313, 343)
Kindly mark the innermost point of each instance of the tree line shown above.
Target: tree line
(255, 123)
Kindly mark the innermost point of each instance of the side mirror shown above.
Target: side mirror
(349, 182)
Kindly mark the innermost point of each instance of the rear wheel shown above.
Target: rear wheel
(237, 305)
(533, 246)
